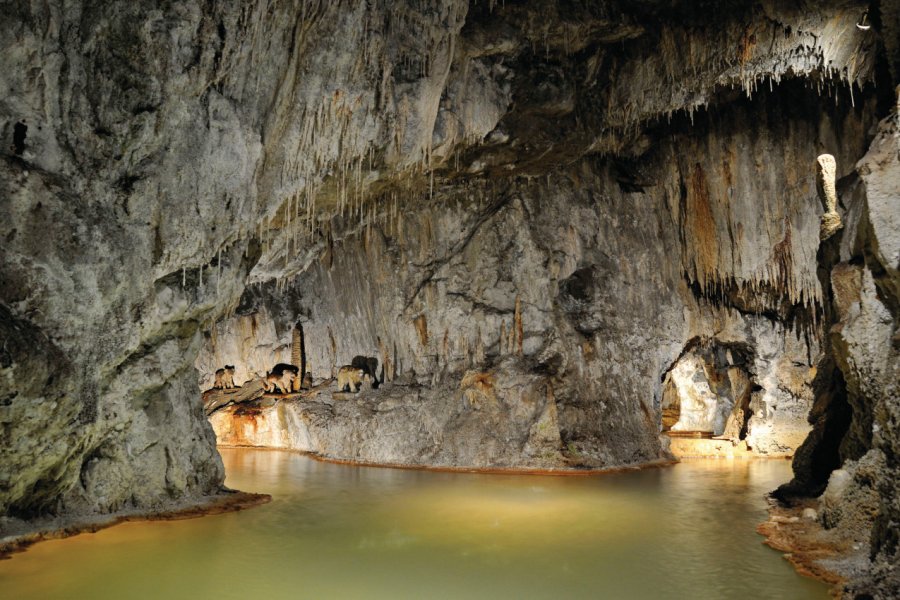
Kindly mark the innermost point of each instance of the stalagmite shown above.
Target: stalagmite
(298, 353)
(296, 350)
(520, 333)
(479, 347)
(826, 168)
(218, 272)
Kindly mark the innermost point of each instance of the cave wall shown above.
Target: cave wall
(866, 289)
(433, 293)
(638, 174)
(140, 161)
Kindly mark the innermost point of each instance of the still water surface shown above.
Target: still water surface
(336, 531)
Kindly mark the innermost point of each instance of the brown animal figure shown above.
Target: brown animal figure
(350, 378)
(283, 384)
(281, 378)
(225, 378)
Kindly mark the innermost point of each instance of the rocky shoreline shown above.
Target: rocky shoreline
(829, 537)
(811, 549)
(550, 472)
(17, 536)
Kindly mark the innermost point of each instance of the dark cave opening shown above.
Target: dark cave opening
(821, 452)
(20, 130)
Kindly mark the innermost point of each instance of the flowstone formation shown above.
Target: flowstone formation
(529, 213)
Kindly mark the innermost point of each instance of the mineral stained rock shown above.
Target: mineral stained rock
(528, 212)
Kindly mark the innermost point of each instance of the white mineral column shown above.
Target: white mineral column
(826, 167)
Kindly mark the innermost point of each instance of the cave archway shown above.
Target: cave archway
(707, 392)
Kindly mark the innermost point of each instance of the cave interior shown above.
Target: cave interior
(545, 237)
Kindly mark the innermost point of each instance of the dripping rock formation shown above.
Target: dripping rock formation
(562, 229)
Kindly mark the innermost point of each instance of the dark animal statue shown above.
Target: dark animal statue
(369, 365)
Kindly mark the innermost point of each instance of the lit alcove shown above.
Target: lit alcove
(707, 392)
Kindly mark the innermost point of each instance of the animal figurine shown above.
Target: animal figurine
(308, 380)
(282, 384)
(369, 365)
(351, 378)
(281, 378)
(225, 378)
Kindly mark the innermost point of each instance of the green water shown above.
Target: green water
(335, 531)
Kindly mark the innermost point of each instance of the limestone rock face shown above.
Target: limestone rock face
(558, 276)
(506, 419)
(526, 211)
(867, 344)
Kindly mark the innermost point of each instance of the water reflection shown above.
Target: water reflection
(346, 532)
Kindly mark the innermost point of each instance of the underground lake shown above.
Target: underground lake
(337, 531)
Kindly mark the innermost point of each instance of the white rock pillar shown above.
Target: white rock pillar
(826, 168)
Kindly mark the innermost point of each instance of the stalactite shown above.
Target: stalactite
(479, 347)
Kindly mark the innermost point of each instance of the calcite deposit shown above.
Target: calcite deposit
(540, 218)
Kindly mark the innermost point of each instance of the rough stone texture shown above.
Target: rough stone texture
(506, 419)
(850, 502)
(562, 194)
(433, 294)
(214, 399)
(700, 407)
(867, 344)
(453, 310)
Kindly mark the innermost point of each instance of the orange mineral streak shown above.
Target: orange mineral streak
(245, 425)
(421, 324)
(702, 240)
(520, 331)
(804, 545)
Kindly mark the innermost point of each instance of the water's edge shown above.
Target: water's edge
(562, 472)
(797, 539)
(231, 501)
(55, 529)
(805, 560)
